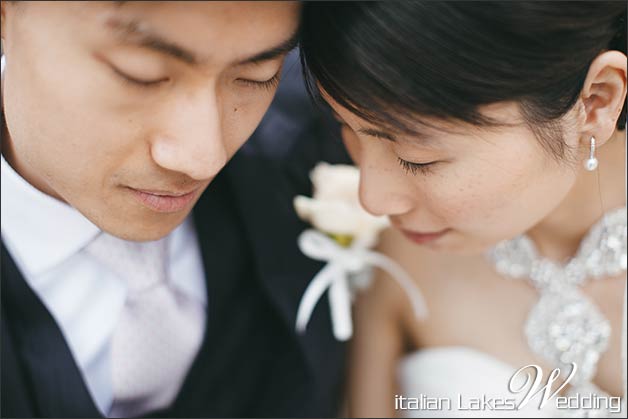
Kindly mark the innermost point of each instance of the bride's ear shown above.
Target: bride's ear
(604, 95)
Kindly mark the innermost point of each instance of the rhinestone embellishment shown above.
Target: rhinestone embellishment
(564, 326)
(567, 327)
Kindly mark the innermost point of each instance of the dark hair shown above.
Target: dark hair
(393, 62)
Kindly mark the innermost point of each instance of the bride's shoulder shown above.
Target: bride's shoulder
(443, 278)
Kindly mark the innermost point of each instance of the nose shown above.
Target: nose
(383, 191)
(190, 140)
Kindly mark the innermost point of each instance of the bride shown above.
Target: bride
(493, 136)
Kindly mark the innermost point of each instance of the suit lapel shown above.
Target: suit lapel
(264, 198)
(51, 376)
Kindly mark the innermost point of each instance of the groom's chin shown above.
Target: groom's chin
(144, 230)
(138, 223)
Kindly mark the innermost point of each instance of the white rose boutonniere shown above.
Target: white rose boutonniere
(343, 235)
(335, 207)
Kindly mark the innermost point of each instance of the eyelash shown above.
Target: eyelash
(424, 168)
(137, 83)
(267, 85)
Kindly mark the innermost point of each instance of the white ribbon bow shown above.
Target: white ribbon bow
(343, 261)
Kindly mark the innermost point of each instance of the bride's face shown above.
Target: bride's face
(458, 187)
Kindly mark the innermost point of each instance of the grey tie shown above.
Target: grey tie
(159, 331)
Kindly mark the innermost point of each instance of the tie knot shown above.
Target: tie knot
(141, 265)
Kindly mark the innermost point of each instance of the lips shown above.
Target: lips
(165, 201)
(424, 238)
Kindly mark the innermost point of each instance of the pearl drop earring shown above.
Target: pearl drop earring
(591, 163)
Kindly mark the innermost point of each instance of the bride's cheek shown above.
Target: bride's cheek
(455, 196)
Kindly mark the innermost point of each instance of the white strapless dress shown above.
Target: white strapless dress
(463, 382)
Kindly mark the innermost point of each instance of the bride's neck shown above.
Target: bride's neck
(559, 234)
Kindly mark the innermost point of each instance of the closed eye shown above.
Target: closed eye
(138, 82)
(414, 168)
(265, 84)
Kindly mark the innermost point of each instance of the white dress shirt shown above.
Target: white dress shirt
(46, 238)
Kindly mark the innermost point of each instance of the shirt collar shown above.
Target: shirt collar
(40, 230)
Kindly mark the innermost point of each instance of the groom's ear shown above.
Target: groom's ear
(604, 95)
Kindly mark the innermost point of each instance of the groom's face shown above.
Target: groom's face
(128, 111)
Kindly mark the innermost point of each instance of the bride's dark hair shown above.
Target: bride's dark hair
(392, 62)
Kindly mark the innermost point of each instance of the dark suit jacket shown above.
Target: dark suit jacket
(251, 362)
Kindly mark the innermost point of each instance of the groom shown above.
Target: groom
(146, 272)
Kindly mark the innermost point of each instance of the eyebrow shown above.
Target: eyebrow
(423, 139)
(426, 140)
(272, 53)
(135, 32)
(371, 132)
